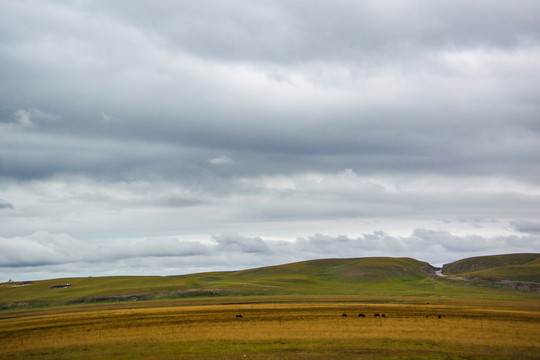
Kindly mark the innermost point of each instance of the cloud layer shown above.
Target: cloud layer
(271, 120)
(51, 255)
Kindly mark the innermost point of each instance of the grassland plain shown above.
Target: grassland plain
(292, 311)
(316, 330)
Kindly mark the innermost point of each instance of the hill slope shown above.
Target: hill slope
(365, 277)
(515, 267)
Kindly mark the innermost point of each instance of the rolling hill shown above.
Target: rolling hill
(357, 277)
(514, 267)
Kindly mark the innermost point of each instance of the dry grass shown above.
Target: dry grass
(268, 331)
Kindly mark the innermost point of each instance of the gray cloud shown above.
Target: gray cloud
(307, 30)
(43, 249)
(344, 202)
(280, 119)
(48, 255)
(6, 205)
(237, 243)
(532, 227)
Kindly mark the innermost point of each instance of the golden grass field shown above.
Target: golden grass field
(281, 329)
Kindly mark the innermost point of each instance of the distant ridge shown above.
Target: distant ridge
(481, 277)
(516, 267)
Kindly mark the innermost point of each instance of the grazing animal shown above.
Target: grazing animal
(427, 316)
(383, 315)
(361, 315)
(376, 315)
(239, 316)
(439, 316)
(344, 315)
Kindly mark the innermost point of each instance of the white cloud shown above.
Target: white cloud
(107, 117)
(26, 119)
(23, 118)
(343, 202)
(221, 160)
(42, 249)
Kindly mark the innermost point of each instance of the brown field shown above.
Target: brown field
(279, 330)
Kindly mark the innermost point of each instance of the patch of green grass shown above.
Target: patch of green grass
(529, 272)
(490, 262)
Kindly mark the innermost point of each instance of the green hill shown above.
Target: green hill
(515, 267)
(335, 270)
(358, 277)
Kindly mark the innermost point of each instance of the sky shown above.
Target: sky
(172, 137)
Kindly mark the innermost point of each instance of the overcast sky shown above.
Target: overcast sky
(169, 137)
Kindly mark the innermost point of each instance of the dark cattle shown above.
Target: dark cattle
(239, 316)
(427, 316)
(439, 316)
(383, 315)
(376, 315)
(361, 315)
(344, 315)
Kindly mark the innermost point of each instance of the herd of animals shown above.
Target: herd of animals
(376, 315)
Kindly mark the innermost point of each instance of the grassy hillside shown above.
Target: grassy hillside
(319, 273)
(366, 277)
(530, 273)
(517, 267)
